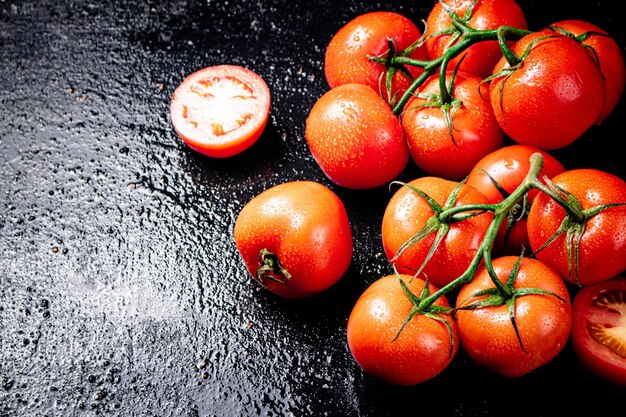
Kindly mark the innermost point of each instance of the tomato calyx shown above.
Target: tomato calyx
(459, 25)
(445, 100)
(514, 61)
(573, 224)
(270, 268)
(387, 59)
(503, 294)
(438, 223)
(426, 309)
(581, 40)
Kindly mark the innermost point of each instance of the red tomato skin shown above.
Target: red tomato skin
(346, 58)
(422, 351)
(516, 242)
(479, 58)
(597, 357)
(509, 166)
(544, 322)
(475, 129)
(406, 213)
(553, 98)
(610, 57)
(306, 226)
(355, 137)
(238, 139)
(603, 245)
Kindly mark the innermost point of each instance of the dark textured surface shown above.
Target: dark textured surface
(121, 291)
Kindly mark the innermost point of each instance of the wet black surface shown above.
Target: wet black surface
(121, 291)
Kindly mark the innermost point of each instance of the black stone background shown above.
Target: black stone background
(121, 291)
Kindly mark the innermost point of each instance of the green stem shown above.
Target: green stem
(577, 215)
(509, 55)
(469, 38)
(493, 229)
(444, 94)
(499, 212)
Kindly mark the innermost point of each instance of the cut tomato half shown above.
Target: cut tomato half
(599, 328)
(220, 111)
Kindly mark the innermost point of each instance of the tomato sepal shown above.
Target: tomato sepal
(513, 60)
(430, 311)
(581, 39)
(573, 224)
(270, 268)
(504, 294)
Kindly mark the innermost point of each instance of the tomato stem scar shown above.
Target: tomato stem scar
(270, 268)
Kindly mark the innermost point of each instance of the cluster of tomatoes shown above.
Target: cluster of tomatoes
(457, 237)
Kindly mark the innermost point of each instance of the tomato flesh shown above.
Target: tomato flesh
(220, 111)
(219, 104)
(599, 329)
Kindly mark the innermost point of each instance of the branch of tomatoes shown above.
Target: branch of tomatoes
(462, 36)
(572, 226)
(494, 290)
(468, 37)
(456, 213)
(450, 125)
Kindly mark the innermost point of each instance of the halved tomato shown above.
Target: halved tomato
(221, 111)
(599, 328)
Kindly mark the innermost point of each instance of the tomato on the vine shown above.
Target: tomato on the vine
(295, 238)
(356, 138)
(400, 354)
(552, 96)
(408, 212)
(599, 329)
(221, 111)
(446, 141)
(508, 166)
(347, 56)
(539, 305)
(603, 48)
(588, 250)
(480, 58)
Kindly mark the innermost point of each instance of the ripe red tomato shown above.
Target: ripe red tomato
(599, 328)
(474, 131)
(356, 138)
(508, 166)
(220, 111)
(602, 245)
(347, 55)
(608, 54)
(543, 321)
(481, 57)
(406, 214)
(553, 97)
(423, 349)
(300, 227)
